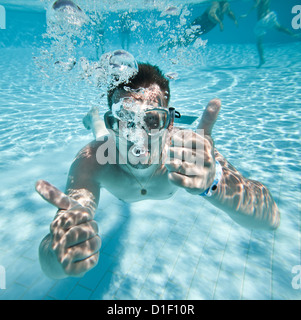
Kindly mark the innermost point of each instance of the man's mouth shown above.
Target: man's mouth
(139, 151)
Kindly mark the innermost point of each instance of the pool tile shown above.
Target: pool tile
(79, 293)
(62, 288)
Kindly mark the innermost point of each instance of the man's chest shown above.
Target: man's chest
(130, 188)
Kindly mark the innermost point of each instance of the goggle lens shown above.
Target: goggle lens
(154, 119)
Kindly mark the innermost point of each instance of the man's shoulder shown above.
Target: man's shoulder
(93, 145)
(90, 152)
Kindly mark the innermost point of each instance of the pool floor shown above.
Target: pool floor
(181, 248)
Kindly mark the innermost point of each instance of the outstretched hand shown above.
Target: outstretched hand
(192, 161)
(74, 238)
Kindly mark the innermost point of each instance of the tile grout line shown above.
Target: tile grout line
(139, 263)
(274, 240)
(201, 252)
(245, 267)
(300, 227)
(158, 256)
(124, 276)
(174, 265)
(272, 264)
(77, 285)
(221, 262)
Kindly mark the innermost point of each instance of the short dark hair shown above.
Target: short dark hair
(147, 75)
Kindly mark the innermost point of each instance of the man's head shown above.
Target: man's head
(139, 111)
(148, 77)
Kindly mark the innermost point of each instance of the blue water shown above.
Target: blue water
(181, 248)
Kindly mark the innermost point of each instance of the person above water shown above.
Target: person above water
(213, 16)
(144, 156)
(266, 19)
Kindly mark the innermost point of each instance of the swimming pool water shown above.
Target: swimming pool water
(181, 248)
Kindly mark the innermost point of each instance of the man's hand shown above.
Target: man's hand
(74, 239)
(192, 162)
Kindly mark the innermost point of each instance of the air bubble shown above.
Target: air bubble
(122, 65)
(117, 67)
(66, 12)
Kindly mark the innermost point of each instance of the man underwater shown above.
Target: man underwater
(181, 159)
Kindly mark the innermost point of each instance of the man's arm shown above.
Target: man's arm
(82, 183)
(246, 201)
(72, 246)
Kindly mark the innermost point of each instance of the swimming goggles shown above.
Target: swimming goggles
(151, 120)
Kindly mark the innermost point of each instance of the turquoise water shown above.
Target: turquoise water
(180, 248)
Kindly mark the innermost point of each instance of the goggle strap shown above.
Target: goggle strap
(173, 114)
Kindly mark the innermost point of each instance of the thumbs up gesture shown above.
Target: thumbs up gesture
(192, 161)
(73, 240)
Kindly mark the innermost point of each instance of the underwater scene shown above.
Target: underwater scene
(150, 150)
